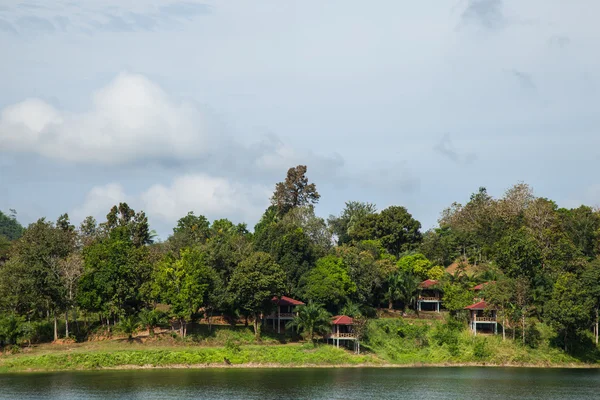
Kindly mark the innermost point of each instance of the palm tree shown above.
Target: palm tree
(312, 319)
(128, 326)
(402, 286)
(151, 319)
(352, 310)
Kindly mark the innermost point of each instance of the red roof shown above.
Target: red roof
(286, 301)
(481, 305)
(342, 320)
(482, 285)
(428, 283)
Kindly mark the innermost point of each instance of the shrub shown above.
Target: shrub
(11, 329)
(481, 349)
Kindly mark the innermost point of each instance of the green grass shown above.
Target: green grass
(389, 341)
(284, 355)
(399, 341)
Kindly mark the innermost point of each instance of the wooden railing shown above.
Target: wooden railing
(342, 335)
(484, 319)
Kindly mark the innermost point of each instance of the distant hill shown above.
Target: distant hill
(10, 227)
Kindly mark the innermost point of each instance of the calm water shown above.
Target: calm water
(347, 384)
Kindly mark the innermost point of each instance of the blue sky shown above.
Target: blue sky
(175, 106)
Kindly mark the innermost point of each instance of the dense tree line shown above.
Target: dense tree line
(541, 261)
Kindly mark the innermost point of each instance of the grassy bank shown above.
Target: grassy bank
(393, 342)
(399, 341)
(150, 356)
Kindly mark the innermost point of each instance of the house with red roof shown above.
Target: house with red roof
(285, 311)
(482, 317)
(430, 296)
(343, 331)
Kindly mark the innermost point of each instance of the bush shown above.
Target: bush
(11, 329)
(232, 346)
(481, 350)
(533, 336)
(38, 332)
(448, 334)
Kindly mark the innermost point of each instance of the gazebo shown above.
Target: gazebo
(343, 330)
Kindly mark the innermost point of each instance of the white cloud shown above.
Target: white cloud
(214, 197)
(211, 196)
(131, 119)
(99, 200)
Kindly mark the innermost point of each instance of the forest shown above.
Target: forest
(541, 263)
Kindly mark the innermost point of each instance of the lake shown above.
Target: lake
(347, 384)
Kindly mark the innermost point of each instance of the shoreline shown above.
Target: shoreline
(249, 366)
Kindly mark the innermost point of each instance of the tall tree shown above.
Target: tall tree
(568, 309)
(394, 227)
(295, 191)
(9, 226)
(254, 283)
(343, 225)
(191, 230)
(329, 283)
(115, 272)
(185, 284)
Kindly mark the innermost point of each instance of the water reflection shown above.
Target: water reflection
(347, 384)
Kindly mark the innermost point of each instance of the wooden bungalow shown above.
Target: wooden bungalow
(430, 298)
(482, 317)
(343, 330)
(285, 311)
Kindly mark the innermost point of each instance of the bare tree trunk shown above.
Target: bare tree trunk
(523, 327)
(390, 305)
(55, 327)
(256, 327)
(596, 325)
(67, 324)
(503, 331)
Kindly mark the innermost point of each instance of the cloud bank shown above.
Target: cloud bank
(130, 119)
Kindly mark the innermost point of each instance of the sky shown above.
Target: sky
(177, 106)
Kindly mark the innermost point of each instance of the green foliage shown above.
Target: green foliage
(517, 254)
(394, 227)
(567, 309)
(129, 325)
(436, 273)
(115, 272)
(416, 264)
(329, 282)
(11, 329)
(353, 213)
(294, 355)
(481, 349)
(184, 283)
(254, 283)
(312, 319)
(9, 226)
(295, 191)
(190, 230)
(402, 286)
(456, 297)
(152, 319)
